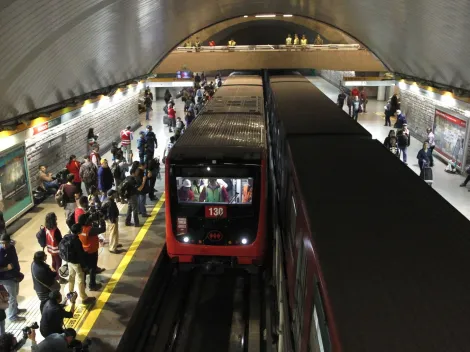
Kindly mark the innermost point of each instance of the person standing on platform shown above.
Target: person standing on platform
(171, 117)
(10, 277)
(44, 279)
(89, 173)
(151, 144)
(403, 142)
(349, 102)
(53, 238)
(132, 209)
(141, 147)
(432, 144)
(105, 179)
(95, 155)
(126, 137)
(341, 99)
(71, 194)
(364, 100)
(148, 106)
(112, 215)
(74, 168)
(356, 106)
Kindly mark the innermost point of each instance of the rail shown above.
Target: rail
(308, 47)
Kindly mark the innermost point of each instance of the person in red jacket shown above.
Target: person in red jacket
(53, 238)
(355, 92)
(171, 117)
(74, 168)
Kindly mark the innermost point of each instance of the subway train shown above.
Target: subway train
(358, 265)
(215, 185)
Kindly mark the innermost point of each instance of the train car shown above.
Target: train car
(297, 107)
(216, 181)
(375, 271)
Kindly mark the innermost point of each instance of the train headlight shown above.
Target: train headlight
(244, 240)
(185, 239)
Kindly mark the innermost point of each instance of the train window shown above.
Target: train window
(300, 290)
(215, 190)
(319, 340)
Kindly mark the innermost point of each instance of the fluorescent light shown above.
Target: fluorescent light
(245, 16)
(286, 15)
(265, 16)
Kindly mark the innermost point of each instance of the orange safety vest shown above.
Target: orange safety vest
(91, 244)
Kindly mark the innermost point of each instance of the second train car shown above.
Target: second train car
(216, 180)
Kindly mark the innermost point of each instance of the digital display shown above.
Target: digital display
(184, 74)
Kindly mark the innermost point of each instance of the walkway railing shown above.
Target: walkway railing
(308, 47)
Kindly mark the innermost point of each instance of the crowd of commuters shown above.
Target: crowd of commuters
(355, 100)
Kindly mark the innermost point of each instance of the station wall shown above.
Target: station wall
(335, 77)
(52, 142)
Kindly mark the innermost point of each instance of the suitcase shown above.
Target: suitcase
(426, 175)
(166, 120)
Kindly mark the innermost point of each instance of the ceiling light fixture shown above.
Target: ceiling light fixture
(286, 15)
(264, 16)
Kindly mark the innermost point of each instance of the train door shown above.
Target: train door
(299, 296)
(319, 340)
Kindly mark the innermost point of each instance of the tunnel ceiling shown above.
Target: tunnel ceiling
(55, 49)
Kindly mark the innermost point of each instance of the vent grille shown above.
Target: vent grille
(235, 105)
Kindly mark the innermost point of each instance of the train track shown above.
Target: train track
(194, 311)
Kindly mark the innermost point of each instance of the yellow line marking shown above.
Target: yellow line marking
(104, 296)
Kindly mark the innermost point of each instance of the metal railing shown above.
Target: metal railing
(308, 47)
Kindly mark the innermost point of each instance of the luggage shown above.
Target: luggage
(426, 175)
(166, 120)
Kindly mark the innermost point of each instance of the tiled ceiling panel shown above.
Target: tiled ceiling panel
(51, 50)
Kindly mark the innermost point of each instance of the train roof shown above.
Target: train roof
(302, 108)
(243, 80)
(214, 136)
(394, 260)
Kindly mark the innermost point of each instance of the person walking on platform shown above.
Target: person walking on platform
(71, 250)
(341, 99)
(403, 142)
(44, 279)
(364, 100)
(432, 144)
(356, 106)
(89, 173)
(53, 238)
(141, 146)
(71, 194)
(112, 223)
(126, 138)
(424, 156)
(73, 166)
(349, 102)
(148, 106)
(95, 156)
(131, 190)
(387, 114)
(171, 117)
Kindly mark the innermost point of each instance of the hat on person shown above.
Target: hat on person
(398, 112)
(5, 238)
(69, 332)
(142, 132)
(186, 183)
(149, 127)
(111, 192)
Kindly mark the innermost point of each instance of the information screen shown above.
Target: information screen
(15, 195)
(449, 133)
(183, 75)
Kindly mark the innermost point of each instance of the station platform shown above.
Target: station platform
(125, 274)
(447, 185)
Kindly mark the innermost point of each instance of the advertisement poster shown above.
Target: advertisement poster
(449, 133)
(14, 183)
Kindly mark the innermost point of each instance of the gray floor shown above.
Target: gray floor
(447, 185)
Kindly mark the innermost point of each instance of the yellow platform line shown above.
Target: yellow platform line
(109, 288)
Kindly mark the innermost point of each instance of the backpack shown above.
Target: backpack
(402, 140)
(59, 197)
(124, 189)
(70, 221)
(66, 249)
(88, 173)
(116, 170)
(105, 209)
(41, 237)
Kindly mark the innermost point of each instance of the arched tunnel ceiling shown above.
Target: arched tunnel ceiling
(55, 49)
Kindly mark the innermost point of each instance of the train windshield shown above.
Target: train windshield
(215, 190)
(215, 185)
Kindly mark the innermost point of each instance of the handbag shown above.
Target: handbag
(19, 276)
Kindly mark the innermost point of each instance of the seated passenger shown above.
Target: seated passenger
(247, 192)
(185, 194)
(46, 181)
(213, 193)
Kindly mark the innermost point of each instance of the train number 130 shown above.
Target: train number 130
(216, 212)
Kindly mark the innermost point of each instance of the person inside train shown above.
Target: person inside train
(214, 193)
(196, 187)
(185, 194)
(247, 191)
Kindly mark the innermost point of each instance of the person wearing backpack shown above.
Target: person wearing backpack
(88, 173)
(71, 250)
(105, 179)
(44, 278)
(53, 238)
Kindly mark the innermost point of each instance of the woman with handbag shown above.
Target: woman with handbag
(10, 276)
(44, 278)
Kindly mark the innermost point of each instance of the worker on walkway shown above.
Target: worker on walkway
(289, 40)
(303, 40)
(296, 39)
(318, 40)
(232, 42)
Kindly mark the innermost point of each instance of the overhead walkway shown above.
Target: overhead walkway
(341, 57)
